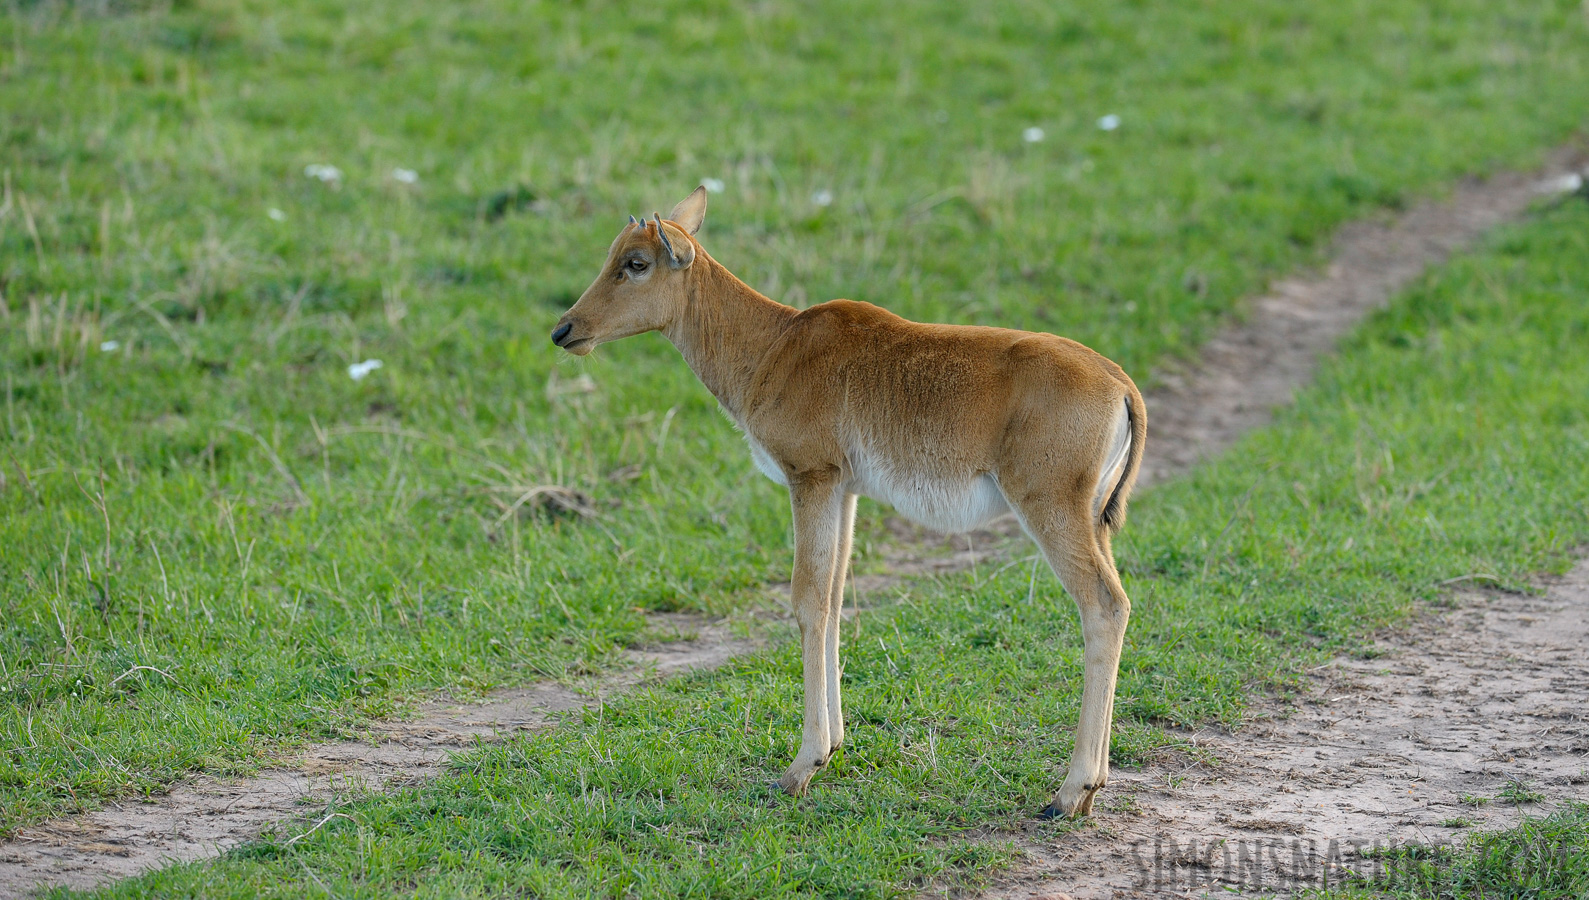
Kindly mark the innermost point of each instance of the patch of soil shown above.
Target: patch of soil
(1414, 745)
(205, 816)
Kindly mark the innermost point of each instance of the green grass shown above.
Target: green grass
(1544, 858)
(287, 551)
(1450, 437)
(1520, 792)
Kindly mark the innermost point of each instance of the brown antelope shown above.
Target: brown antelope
(953, 425)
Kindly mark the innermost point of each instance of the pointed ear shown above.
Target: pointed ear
(691, 211)
(677, 248)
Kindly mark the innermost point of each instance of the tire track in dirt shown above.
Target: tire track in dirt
(1411, 744)
(206, 816)
(1198, 410)
(1246, 371)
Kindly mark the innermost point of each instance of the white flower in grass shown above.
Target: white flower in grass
(713, 185)
(109, 346)
(358, 370)
(1033, 135)
(1564, 184)
(405, 176)
(823, 197)
(323, 172)
(1109, 122)
(275, 215)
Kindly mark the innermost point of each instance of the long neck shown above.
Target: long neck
(725, 331)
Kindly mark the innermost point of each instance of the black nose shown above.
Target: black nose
(562, 332)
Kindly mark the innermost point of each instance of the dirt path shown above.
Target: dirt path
(205, 816)
(1248, 370)
(1382, 751)
(1245, 372)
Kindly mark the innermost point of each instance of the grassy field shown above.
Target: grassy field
(214, 543)
(1451, 438)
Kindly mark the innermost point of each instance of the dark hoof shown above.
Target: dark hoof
(1049, 813)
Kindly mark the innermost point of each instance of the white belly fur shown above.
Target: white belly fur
(950, 506)
(947, 505)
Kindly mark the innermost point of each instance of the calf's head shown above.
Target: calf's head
(642, 286)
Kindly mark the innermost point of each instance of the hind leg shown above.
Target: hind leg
(1078, 551)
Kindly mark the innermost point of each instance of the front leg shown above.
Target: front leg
(841, 567)
(818, 504)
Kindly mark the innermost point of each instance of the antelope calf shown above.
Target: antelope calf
(953, 425)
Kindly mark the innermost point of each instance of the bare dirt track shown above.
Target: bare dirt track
(1199, 410)
(1409, 745)
(206, 816)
